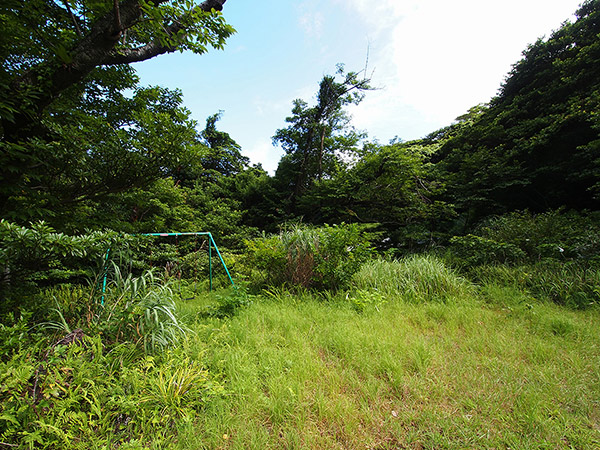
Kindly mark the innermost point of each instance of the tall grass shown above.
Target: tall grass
(454, 375)
(568, 284)
(290, 370)
(141, 309)
(138, 309)
(415, 278)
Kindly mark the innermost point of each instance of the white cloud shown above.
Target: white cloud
(436, 59)
(381, 14)
(310, 18)
(267, 106)
(262, 151)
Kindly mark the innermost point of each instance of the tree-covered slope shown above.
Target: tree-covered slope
(537, 145)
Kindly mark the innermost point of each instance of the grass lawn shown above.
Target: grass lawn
(494, 369)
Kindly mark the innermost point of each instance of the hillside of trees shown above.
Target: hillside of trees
(90, 156)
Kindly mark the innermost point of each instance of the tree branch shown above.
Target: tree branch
(209, 5)
(73, 18)
(137, 54)
(96, 48)
(118, 24)
(155, 48)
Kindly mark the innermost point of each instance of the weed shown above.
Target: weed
(81, 397)
(415, 278)
(308, 257)
(229, 302)
(364, 300)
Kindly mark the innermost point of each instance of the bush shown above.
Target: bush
(569, 284)
(139, 310)
(229, 302)
(39, 256)
(521, 237)
(554, 255)
(474, 250)
(415, 278)
(553, 234)
(363, 301)
(16, 334)
(309, 257)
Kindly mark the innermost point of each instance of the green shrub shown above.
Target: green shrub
(474, 250)
(229, 302)
(365, 300)
(570, 284)
(39, 256)
(521, 237)
(415, 278)
(554, 234)
(16, 334)
(194, 265)
(79, 396)
(309, 257)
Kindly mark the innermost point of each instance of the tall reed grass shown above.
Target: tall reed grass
(415, 278)
(140, 309)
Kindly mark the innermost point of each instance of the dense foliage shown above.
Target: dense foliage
(536, 146)
(103, 343)
(306, 257)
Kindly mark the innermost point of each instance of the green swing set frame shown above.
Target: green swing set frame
(211, 244)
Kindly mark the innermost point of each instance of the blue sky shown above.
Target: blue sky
(431, 60)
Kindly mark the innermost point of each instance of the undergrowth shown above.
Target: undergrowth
(416, 279)
(412, 355)
(82, 396)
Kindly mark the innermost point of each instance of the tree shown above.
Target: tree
(52, 45)
(223, 154)
(98, 142)
(393, 186)
(68, 131)
(537, 146)
(213, 154)
(318, 134)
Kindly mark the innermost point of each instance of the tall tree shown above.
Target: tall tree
(223, 153)
(318, 134)
(64, 117)
(537, 146)
(393, 186)
(99, 142)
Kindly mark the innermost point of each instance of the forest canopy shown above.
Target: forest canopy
(85, 147)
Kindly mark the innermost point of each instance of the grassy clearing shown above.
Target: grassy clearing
(506, 372)
(413, 356)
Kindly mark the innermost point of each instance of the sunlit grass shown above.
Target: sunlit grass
(416, 278)
(301, 372)
(412, 356)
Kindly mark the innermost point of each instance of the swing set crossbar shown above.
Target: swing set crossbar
(212, 244)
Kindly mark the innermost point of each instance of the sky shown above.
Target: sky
(430, 60)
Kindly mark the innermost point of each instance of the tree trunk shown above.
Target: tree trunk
(321, 148)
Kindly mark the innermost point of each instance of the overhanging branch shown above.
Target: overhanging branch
(155, 48)
(49, 79)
